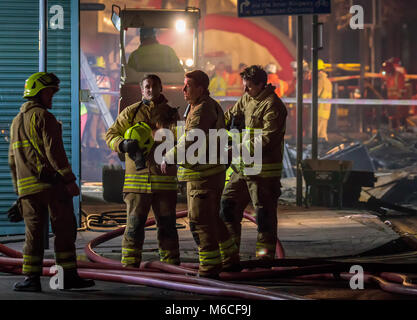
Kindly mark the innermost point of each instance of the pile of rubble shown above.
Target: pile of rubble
(391, 157)
(392, 151)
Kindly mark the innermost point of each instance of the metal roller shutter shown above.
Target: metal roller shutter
(19, 57)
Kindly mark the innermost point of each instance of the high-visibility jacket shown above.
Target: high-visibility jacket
(324, 92)
(234, 85)
(205, 114)
(218, 86)
(150, 179)
(155, 57)
(395, 85)
(268, 113)
(36, 146)
(281, 86)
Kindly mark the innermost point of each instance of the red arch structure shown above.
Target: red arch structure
(255, 33)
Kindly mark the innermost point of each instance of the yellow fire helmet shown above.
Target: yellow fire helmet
(38, 81)
(143, 134)
(320, 64)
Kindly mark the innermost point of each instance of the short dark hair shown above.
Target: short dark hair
(153, 77)
(147, 33)
(255, 73)
(200, 77)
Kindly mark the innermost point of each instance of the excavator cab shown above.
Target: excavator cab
(176, 28)
(166, 21)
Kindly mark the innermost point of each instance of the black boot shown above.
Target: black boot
(213, 276)
(73, 281)
(29, 284)
(235, 267)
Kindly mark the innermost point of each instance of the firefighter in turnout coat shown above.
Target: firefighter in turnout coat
(44, 181)
(205, 181)
(147, 187)
(261, 109)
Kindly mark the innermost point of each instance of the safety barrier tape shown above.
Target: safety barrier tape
(371, 102)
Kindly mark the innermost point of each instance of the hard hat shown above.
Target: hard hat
(320, 64)
(306, 68)
(143, 134)
(96, 62)
(271, 68)
(100, 62)
(38, 81)
(293, 65)
(388, 68)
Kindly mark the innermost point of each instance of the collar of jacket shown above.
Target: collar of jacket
(160, 100)
(268, 90)
(202, 98)
(29, 105)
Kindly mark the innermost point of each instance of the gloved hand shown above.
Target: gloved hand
(72, 189)
(129, 146)
(237, 122)
(14, 214)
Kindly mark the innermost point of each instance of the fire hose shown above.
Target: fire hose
(183, 277)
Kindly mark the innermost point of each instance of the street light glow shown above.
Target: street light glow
(180, 26)
(189, 62)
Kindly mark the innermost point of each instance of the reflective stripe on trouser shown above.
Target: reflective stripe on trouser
(169, 256)
(131, 257)
(265, 250)
(35, 209)
(208, 230)
(209, 258)
(67, 260)
(264, 194)
(163, 205)
(32, 264)
(229, 252)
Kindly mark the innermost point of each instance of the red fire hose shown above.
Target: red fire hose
(183, 277)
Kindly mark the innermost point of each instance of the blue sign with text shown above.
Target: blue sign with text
(253, 8)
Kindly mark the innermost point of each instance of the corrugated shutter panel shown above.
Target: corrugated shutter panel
(18, 59)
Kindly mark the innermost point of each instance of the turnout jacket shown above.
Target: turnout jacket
(150, 179)
(205, 114)
(36, 150)
(267, 112)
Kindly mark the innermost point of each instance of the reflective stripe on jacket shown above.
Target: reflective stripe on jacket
(268, 113)
(36, 145)
(150, 179)
(204, 115)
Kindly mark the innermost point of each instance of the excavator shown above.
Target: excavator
(166, 21)
(159, 19)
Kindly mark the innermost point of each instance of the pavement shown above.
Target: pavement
(303, 232)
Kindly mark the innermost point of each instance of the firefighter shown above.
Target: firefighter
(43, 179)
(281, 86)
(261, 109)
(147, 187)
(151, 56)
(394, 82)
(205, 182)
(234, 85)
(218, 83)
(324, 109)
